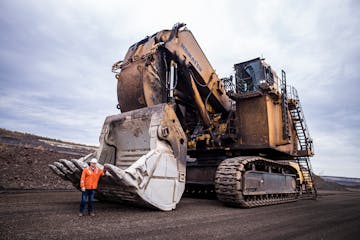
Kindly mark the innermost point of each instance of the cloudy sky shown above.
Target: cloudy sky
(56, 58)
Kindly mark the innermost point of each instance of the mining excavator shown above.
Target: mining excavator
(181, 129)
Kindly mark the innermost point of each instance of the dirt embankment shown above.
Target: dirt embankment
(321, 184)
(24, 160)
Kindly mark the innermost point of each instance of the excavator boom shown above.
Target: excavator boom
(146, 79)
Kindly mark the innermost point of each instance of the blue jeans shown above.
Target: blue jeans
(87, 193)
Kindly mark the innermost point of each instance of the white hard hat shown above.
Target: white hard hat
(93, 160)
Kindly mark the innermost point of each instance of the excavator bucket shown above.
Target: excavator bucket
(144, 153)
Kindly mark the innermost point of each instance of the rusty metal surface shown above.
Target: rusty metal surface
(200, 174)
(259, 125)
(130, 89)
(257, 183)
(189, 52)
(252, 121)
(142, 80)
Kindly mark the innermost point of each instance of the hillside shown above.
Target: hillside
(25, 157)
(321, 184)
(346, 181)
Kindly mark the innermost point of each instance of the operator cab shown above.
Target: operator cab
(251, 74)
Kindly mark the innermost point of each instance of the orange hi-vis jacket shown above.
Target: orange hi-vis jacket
(89, 178)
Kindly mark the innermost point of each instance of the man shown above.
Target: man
(89, 180)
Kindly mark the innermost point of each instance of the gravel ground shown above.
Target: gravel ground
(33, 207)
(53, 215)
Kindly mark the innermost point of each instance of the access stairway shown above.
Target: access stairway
(309, 188)
(305, 143)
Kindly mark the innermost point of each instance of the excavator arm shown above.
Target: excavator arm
(170, 64)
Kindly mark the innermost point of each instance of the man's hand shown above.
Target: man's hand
(83, 189)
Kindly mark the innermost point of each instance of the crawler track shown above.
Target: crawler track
(228, 183)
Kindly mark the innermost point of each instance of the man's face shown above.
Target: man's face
(93, 164)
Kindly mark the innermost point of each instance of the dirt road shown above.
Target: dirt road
(53, 215)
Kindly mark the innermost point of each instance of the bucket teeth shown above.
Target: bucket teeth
(57, 171)
(79, 164)
(69, 165)
(69, 170)
(115, 173)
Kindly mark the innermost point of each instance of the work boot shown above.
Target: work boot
(80, 214)
(92, 214)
